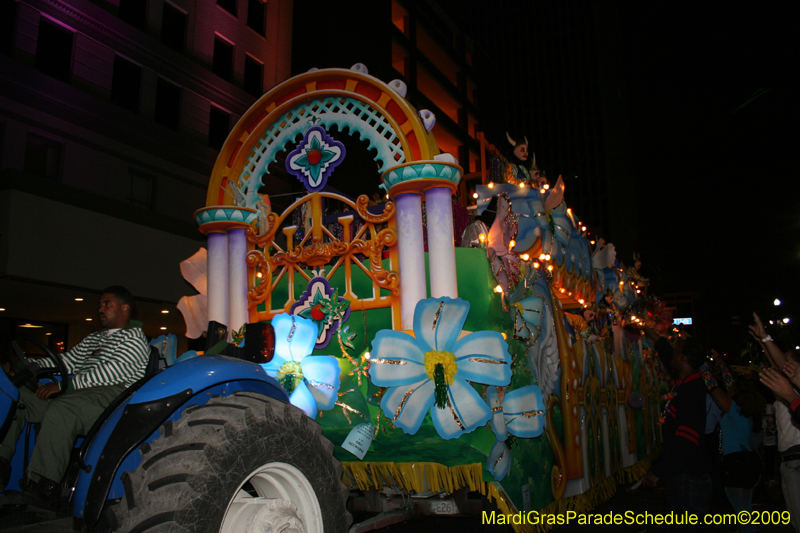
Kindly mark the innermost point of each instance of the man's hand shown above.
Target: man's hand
(45, 391)
(778, 383)
(757, 329)
(790, 369)
(650, 480)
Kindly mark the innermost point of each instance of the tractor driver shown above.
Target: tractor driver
(102, 365)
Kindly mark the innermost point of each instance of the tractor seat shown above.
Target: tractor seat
(150, 371)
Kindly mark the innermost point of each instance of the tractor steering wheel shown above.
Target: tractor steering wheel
(28, 373)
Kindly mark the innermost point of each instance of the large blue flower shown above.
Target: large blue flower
(312, 381)
(519, 412)
(431, 370)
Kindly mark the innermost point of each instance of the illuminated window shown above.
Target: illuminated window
(432, 89)
(399, 58)
(400, 17)
(428, 46)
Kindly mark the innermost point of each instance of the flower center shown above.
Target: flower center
(314, 156)
(448, 362)
(290, 375)
(442, 368)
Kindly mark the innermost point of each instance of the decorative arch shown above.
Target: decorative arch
(345, 98)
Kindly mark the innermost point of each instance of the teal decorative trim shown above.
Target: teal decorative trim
(225, 214)
(347, 113)
(422, 170)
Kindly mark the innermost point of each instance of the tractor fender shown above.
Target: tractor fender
(139, 418)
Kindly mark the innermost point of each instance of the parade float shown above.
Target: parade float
(432, 372)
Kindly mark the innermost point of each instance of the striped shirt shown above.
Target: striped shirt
(106, 358)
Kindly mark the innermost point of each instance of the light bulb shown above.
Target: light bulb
(547, 257)
(550, 268)
(521, 185)
(475, 195)
(546, 186)
(491, 185)
(542, 190)
(498, 289)
(512, 243)
(524, 257)
(482, 238)
(535, 265)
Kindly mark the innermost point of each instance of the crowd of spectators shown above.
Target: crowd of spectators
(735, 433)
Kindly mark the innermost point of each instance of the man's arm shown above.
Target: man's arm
(122, 359)
(774, 353)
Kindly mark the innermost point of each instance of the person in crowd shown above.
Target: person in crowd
(102, 366)
(743, 408)
(788, 432)
(683, 465)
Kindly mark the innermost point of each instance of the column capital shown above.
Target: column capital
(419, 176)
(221, 218)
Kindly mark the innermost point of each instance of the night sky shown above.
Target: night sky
(712, 94)
(714, 105)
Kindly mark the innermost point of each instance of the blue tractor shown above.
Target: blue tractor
(210, 444)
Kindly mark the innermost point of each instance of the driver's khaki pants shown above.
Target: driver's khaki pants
(62, 419)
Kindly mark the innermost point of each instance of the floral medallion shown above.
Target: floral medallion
(315, 158)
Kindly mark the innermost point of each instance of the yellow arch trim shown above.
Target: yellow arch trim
(298, 90)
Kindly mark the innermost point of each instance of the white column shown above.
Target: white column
(237, 278)
(218, 277)
(441, 245)
(411, 253)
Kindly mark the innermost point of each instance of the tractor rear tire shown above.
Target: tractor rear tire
(240, 463)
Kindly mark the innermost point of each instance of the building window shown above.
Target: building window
(228, 5)
(223, 58)
(142, 186)
(134, 12)
(257, 16)
(400, 17)
(253, 76)
(54, 49)
(8, 22)
(168, 104)
(400, 58)
(173, 28)
(126, 84)
(42, 156)
(218, 126)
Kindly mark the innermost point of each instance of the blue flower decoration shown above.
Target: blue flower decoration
(315, 158)
(431, 370)
(312, 381)
(518, 412)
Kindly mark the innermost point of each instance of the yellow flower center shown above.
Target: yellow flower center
(448, 362)
(290, 374)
